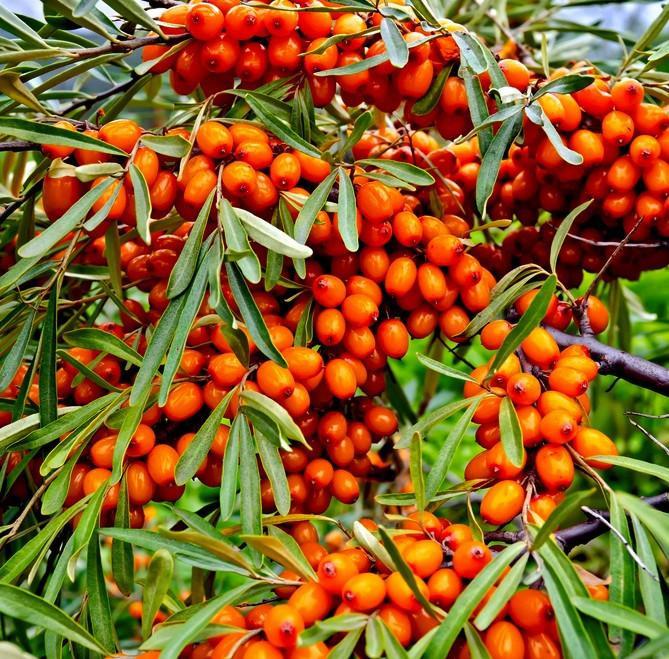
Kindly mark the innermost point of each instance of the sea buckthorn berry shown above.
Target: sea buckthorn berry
(329, 291)
(275, 381)
(330, 327)
(444, 250)
(541, 646)
(285, 171)
(618, 128)
(568, 381)
(121, 133)
(205, 21)
(344, 486)
(334, 571)
(504, 641)
(644, 150)
(558, 427)
(214, 139)
(502, 502)
(184, 401)
(598, 314)
(540, 348)
(444, 586)
(523, 388)
(340, 378)
(516, 73)
(312, 602)
(494, 333)
(554, 467)
(424, 557)
(239, 179)
(226, 370)
(364, 592)
(467, 271)
(359, 310)
(141, 442)
(54, 151)
(161, 461)
(470, 558)
(400, 594)
(398, 622)
(531, 610)
(400, 276)
(393, 338)
(589, 441)
(627, 94)
(380, 420)
(283, 625)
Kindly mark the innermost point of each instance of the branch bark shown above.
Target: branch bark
(579, 534)
(618, 363)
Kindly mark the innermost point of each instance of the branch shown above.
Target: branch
(616, 362)
(18, 146)
(127, 46)
(580, 534)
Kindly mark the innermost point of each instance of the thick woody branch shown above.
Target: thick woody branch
(579, 534)
(618, 363)
(16, 146)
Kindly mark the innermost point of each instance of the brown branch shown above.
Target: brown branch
(579, 534)
(618, 363)
(18, 145)
(127, 46)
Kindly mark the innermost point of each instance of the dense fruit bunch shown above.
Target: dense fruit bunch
(443, 557)
(548, 390)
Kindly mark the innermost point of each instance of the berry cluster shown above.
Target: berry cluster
(548, 390)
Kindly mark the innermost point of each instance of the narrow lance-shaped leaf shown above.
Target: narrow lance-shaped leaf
(85, 529)
(48, 394)
(228, 491)
(122, 559)
(98, 599)
(156, 585)
(416, 469)
(621, 616)
(402, 170)
(249, 480)
(511, 433)
(184, 268)
(26, 606)
(276, 473)
(478, 107)
(237, 240)
(57, 230)
(649, 578)
(251, 315)
(562, 231)
(12, 360)
(559, 515)
(197, 450)
(398, 51)
(529, 320)
(535, 113)
(97, 339)
(315, 202)
(142, 203)
(347, 212)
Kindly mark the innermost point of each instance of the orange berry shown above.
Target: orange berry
(470, 558)
(502, 502)
(283, 625)
(364, 592)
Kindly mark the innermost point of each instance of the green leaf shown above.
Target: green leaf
(56, 231)
(502, 594)
(443, 369)
(34, 131)
(113, 256)
(478, 107)
(97, 339)
(430, 101)
(405, 571)
(315, 202)
(12, 360)
(173, 146)
(621, 616)
(362, 123)
(156, 584)
(237, 240)
(48, 394)
(87, 525)
(122, 559)
(398, 51)
(156, 350)
(323, 629)
(196, 452)
(12, 87)
(55, 495)
(649, 579)
(13, 24)
(201, 618)
(275, 471)
(251, 315)
(529, 320)
(471, 52)
(281, 130)
(562, 231)
(416, 470)
(184, 268)
(403, 170)
(475, 644)
(655, 521)
(133, 12)
(511, 433)
(622, 589)
(143, 207)
(345, 648)
(585, 638)
(373, 638)
(493, 157)
(346, 209)
(640, 466)
(278, 547)
(356, 67)
(29, 608)
(132, 417)
(559, 515)
(274, 411)
(535, 113)
(249, 483)
(469, 599)
(392, 647)
(373, 546)
(442, 463)
(564, 85)
(652, 649)
(98, 599)
(427, 421)
(269, 236)
(228, 491)
(192, 304)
